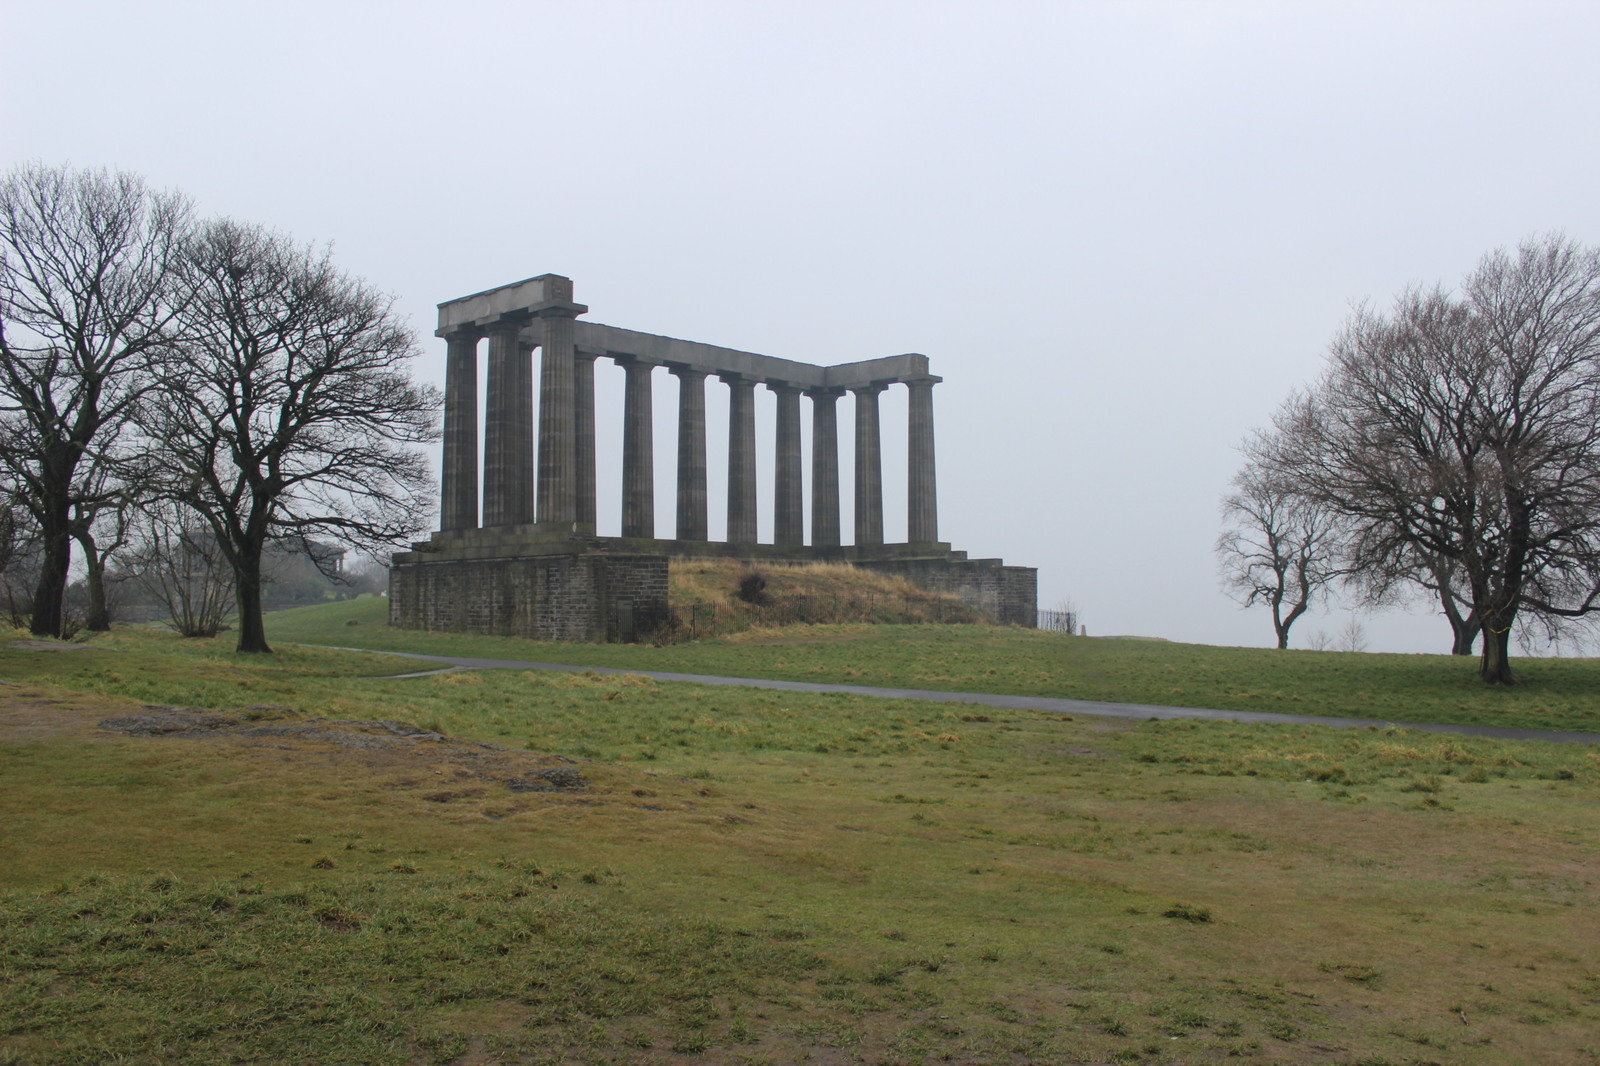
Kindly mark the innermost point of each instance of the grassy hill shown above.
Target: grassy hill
(1552, 693)
(570, 868)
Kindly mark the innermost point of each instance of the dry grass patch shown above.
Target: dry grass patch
(777, 602)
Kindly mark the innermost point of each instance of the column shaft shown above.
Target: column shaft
(824, 467)
(922, 492)
(741, 459)
(788, 506)
(508, 436)
(458, 480)
(558, 453)
(638, 452)
(692, 522)
(583, 445)
(869, 468)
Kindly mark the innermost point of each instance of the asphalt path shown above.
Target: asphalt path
(1096, 708)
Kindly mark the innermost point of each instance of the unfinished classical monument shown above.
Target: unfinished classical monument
(532, 564)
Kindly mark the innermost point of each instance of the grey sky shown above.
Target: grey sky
(1121, 232)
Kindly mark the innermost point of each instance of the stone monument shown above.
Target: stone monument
(528, 561)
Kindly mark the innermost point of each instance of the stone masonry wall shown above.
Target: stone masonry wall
(1007, 594)
(549, 597)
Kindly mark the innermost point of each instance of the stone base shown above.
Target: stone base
(1009, 595)
(552, 584)
(588, 597)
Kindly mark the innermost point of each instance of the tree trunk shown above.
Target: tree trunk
(1282, 624)
(98, 619)
(1463, 630)
(1463, 635)
(50, 595)
(1495, 666)
(252, 631)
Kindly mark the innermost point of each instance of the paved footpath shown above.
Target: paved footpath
(1018, 703)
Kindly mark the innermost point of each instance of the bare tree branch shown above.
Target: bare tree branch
(1458, 437)
(88, 303)
(292, 415)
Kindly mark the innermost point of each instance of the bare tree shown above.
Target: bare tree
(103, 509)
(1277, 547)
(1352, 636)
(10, 531)
(87, 302)
(1415, 574)
(1467, 430)
(176, 559)
(292, 417)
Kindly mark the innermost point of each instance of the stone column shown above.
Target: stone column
(922, 491)
(741, 459)
(458, 477)
(638, 452)
(692, 523)
(788, 506)
(508, 436)
(583, 446)
(558, 452)
(824, 467)
(869, 468)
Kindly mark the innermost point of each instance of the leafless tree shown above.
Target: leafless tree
(1352, 636)
(108, 499)
(1415, 574)
(292, 417)
(1466, 429)
(1277, 547)
(175, 558)
(88, 298)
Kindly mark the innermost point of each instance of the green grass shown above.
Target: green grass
(756, 877)
(1552, 693)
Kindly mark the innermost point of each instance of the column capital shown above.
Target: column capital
(783, 388)
(869, 390)
(819, 392)
(560, 309)
(687, 373)
(511, 323)
(927, 382)
(632, 363)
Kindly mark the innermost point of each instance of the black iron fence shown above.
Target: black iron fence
(1059, 621)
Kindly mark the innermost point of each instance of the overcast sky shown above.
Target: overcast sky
(1121, 232)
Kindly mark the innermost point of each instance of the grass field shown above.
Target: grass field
(1552, 693)
(741, 877)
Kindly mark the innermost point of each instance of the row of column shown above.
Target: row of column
(566, 447)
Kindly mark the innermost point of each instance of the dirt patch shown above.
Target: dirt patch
(392, 745)
(47, 645)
